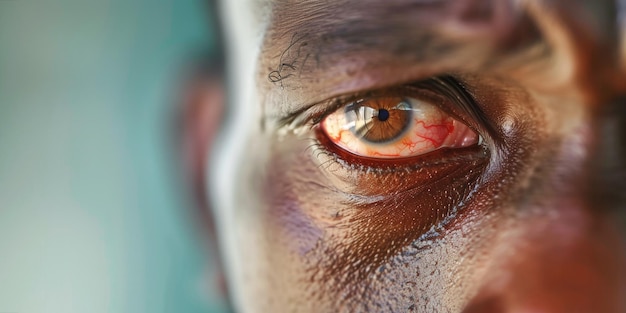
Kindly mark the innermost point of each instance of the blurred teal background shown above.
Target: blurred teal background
(94, 213)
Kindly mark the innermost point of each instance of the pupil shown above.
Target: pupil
(383, 115)
(379, 120)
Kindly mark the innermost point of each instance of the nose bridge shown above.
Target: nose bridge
(592, 36)
(596, 32)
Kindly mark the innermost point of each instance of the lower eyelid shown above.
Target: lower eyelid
(357, 174)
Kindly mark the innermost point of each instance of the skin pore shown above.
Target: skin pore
(529, 218)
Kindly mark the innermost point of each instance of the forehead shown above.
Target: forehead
(315, 50)
(598, 14)
(353, 19)
(310, 50)
(373, 24)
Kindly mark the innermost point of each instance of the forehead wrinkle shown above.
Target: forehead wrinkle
(315, 46)
(369, 22)
(349, 22)
(309, 36)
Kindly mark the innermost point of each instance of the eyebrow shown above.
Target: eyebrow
(318, 46)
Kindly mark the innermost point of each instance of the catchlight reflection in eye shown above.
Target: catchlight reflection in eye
(395, 127)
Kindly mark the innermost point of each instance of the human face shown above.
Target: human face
(521, 210)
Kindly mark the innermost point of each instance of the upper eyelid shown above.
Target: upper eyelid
(315, 111)
(446, 86)
(463, 104)
(466, 101)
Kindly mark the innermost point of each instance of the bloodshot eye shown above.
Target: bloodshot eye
(390, 127)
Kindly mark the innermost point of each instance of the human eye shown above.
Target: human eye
(402, 130)
(395, 126)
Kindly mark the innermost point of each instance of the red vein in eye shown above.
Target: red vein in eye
(376, 153)
(436, 133)
(408, 143)
(338, 137)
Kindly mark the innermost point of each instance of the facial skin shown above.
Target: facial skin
(530, 218)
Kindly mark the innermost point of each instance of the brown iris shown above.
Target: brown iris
(379, 120)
